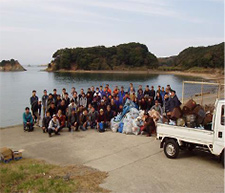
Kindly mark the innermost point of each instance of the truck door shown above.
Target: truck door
(219, 129)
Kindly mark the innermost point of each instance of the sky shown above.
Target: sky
(32, 30)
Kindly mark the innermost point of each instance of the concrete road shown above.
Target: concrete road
(134, 163)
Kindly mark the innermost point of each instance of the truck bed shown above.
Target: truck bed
(191, 135)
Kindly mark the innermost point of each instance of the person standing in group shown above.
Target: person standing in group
(147, 91)
(52, 109)
(63, 93)
(152, 93)
(73, 90)
(28, 122)
(83, 100)
(34, 107)
(44, 100)
(50, 100)
(54, 95)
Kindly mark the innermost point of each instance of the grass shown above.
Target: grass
(29, 175)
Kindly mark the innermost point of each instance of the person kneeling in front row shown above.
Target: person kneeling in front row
(28, 123)
(54, 126)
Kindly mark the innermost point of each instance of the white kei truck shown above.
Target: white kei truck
(176, 138)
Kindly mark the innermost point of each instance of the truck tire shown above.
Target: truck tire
(171, 149)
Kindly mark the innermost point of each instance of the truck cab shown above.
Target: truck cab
(176, 138)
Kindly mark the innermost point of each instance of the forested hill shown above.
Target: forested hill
(205, 57)
(121, 57)
(11, 65)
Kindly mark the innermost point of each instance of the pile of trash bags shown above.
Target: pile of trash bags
(131, 119)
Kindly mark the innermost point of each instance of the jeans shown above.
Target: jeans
(28, 127)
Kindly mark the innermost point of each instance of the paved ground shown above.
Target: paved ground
(134, 163)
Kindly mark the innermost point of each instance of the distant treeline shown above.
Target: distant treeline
(11, 62)
(131, 55)
(206, 57)
(135, 56)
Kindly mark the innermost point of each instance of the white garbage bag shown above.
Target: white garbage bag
(114, 125)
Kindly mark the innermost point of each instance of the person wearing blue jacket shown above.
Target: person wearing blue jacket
(121, 95)
(28, 123)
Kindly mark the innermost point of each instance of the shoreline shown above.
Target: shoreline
(205, 75)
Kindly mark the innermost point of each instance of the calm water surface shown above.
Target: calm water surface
(16, 87)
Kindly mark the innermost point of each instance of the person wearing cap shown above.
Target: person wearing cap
(157, 107)
(27, 120)
(102, 105)
(34, 107)
(101, 121)
(44, 101)
(174, 102)
(54, 126)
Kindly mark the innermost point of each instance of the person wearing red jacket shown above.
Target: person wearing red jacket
(62, 119)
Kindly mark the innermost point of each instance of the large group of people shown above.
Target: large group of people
(95, 108)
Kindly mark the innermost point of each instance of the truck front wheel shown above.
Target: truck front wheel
(171, 149)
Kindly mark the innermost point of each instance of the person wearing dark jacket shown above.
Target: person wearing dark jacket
(149, 125)
(34, 106)
(109, 114)
(62, 107)
(174, 101)
(101, 121)
(152, 93)
(52, 109)
(166, 103)
(45, 121)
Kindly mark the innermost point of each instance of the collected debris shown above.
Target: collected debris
(8, 154)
